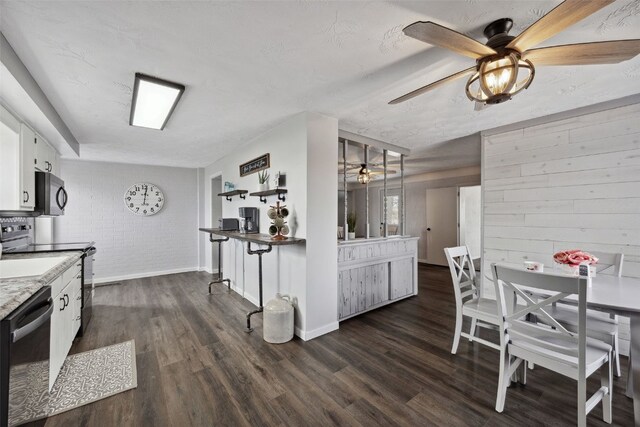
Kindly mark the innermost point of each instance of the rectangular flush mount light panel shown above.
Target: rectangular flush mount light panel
(153, 101)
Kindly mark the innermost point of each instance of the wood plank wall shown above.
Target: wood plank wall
(566, 184)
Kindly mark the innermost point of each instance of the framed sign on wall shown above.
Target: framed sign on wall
(255, 165)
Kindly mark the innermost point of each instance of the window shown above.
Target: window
(393, 212)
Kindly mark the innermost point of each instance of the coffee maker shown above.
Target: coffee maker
(249, 220)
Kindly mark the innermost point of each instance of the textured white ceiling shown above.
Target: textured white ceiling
(249, 65)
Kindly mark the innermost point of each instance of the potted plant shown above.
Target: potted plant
(351, 225)
(263, 181)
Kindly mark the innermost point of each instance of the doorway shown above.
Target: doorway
(442, 223)
(216, 214)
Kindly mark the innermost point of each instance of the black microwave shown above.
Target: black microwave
(51, 197)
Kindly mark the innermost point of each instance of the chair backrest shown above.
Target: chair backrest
(609, 263)
(509, 282)
(463, 274)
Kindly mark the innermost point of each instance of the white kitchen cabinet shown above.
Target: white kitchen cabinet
(65, 322)
(46, 156)
(56, 348)
(27, 165)
(17, 173)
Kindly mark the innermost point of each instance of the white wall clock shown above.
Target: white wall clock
(144, 199)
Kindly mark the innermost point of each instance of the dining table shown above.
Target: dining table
(619, 296)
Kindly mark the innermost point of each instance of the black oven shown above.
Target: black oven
(24, 349)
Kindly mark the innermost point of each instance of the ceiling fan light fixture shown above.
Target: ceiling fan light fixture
(499, 77)
(364, 176)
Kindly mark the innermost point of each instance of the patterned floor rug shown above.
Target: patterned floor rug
(84, 378)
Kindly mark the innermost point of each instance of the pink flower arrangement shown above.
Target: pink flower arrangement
(574, 257)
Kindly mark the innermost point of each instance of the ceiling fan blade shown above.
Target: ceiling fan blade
(564, 15)
(433, 85)
(437, 35)
(609, 52)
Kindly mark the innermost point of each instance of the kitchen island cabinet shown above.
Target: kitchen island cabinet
(375, 272)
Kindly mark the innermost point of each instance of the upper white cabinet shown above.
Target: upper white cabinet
(46, 157)
(22, 152)
(27, 173)
(11, 192)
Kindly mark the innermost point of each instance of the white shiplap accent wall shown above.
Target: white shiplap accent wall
(572, 183)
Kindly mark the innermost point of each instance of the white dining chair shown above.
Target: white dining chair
(482, 312)
(600, 325)
(571, 354)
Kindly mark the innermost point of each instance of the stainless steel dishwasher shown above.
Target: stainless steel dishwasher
(24, 350)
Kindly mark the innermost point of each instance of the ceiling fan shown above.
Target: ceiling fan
(505, 64)
(363, 173)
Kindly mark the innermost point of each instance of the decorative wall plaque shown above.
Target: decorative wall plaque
(255, 165)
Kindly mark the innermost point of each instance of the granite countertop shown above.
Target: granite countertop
(16, 290)
(261, 239)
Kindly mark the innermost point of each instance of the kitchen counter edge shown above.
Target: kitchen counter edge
(16, 290)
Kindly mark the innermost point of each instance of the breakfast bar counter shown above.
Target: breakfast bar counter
(259, 239)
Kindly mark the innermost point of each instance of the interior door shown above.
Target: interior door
(442, 223)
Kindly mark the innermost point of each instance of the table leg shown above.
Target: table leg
(633, 381)
(219, 279)
(258, 252)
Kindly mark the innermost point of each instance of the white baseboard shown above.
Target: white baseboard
(208, 270)
(142, 275)
(309, 335)
(422, 261)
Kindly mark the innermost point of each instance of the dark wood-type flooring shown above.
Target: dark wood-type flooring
(392, 366)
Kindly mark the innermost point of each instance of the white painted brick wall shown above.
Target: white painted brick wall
(130, 245)
(566, 184)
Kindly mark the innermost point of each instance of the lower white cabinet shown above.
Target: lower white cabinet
(65, 322)
(375, 272)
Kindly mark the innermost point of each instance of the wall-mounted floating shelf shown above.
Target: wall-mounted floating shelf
(263, 194)
(229, 194)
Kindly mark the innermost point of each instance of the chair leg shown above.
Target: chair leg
(472, 330)
(457, 332)
(523, 374)
(606, 380)
(582, 401)
(616, 354)
(503, 379)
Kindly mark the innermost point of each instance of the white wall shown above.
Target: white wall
(470, 219)
(305, 148)
(565, 184)
(416, 197)
(130, 245)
